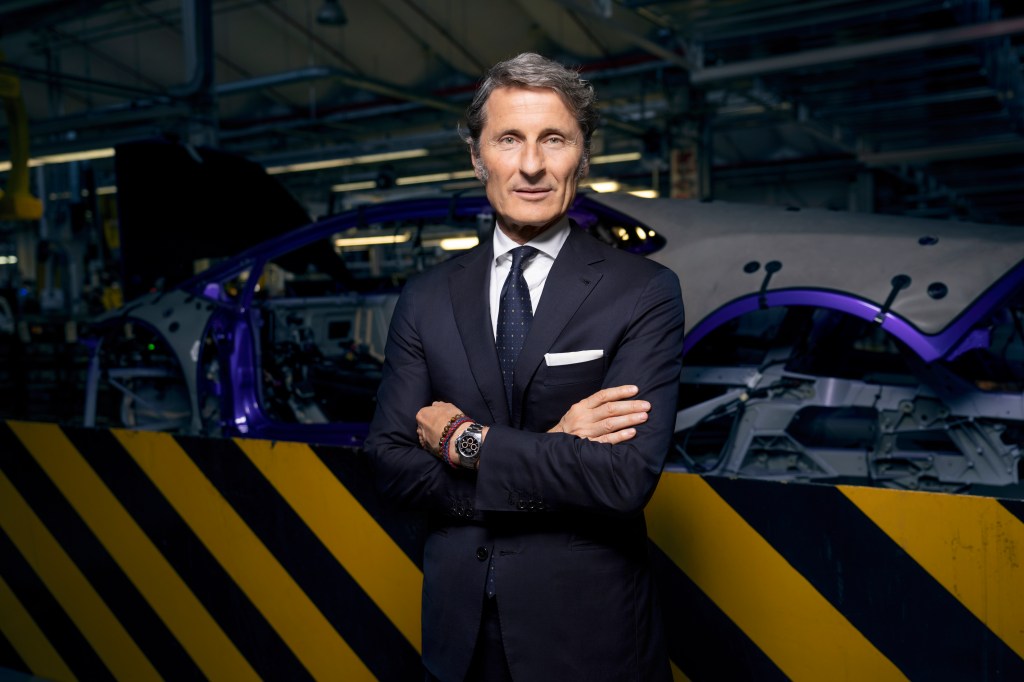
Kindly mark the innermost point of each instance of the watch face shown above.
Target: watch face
(468, 446)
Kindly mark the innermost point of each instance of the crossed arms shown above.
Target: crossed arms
(606, 416)
(603, 455)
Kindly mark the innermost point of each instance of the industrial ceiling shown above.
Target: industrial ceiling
(926, 97)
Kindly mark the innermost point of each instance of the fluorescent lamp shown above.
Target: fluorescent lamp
(372, 241)
(459, 243)
(615, 158)
(348, 161)
(86, 155)
(435, 177)
(605, 186)
(8, 260)
(353, 186)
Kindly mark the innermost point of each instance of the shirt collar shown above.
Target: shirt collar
(548, 242)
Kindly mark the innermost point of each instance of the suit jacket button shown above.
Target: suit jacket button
(481, 553)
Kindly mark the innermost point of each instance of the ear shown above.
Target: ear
(584, 167)
(478, 167)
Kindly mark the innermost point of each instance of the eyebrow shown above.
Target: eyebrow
(544, 133)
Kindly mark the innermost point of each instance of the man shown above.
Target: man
(507, 412)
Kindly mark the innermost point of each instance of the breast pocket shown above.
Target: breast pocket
(560, 387)
(576, 373)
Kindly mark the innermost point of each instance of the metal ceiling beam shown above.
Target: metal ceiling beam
(33, 14)
(781, 18)
(943, 153)
(846, 53)
(439, 30)
(961, 95)
(352, 80)
(641, 41)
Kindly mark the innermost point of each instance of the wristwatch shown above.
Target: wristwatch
(468, 446)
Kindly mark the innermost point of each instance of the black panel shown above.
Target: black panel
(9, 658)
(355, 616)
(97, 566)
(242, 622)
(702, 641)
(48, 615)
(352, 467)
(925, 631)
(177, 204)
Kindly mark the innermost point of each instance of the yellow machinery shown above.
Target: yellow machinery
(16, 202)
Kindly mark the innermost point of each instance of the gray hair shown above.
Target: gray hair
(530, 70)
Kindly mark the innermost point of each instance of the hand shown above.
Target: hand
(607, 416)
(431, 421)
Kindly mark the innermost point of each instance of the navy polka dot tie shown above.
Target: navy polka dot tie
(514, 316)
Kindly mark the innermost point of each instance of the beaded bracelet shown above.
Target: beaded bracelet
(448, 439)
(444, 432)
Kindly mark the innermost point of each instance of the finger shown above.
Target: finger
(609, 394)
(615, 437)
(621, 407)
(613, 424)
(625, 421)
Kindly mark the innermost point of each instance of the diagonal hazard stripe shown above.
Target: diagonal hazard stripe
(48, 614)
(770, 601)
(289, 610)
(98, 625)
(344, 604)
(229, 607)
(701, 639)
(177, 606)
(970, 545)
(840, 550)
(677, 675)
(28, 640)
(368, 553)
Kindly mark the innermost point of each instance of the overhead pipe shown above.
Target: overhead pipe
(352, 80)
(197, 35)
(846, 53)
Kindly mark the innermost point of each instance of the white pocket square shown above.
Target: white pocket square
(572, 358)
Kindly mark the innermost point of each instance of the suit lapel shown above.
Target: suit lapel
(570, 281)
(469, 294)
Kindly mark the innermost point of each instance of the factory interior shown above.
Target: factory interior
(208, 209)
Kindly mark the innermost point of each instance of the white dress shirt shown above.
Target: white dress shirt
(536, 270)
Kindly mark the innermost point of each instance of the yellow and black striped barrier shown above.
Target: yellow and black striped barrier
(136, 556)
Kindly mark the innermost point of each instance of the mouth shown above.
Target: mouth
(532, 193)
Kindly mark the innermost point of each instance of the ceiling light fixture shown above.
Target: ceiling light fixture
(331, 14)
(349, 242)
(434, 177)
(615, 158)
(86, 155)
(459, 243)
(605, 186)
(353, 186)
(348, 161)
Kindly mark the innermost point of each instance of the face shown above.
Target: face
(531, 148)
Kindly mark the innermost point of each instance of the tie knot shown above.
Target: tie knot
(520, 256)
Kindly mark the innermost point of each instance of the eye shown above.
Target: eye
(506, 140)
(555, 141)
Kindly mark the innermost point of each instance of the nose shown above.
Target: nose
(531, 161)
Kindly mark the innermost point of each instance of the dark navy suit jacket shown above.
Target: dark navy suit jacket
(562, 516)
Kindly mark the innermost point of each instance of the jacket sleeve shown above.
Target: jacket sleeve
(403, 471)
(523, 471)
